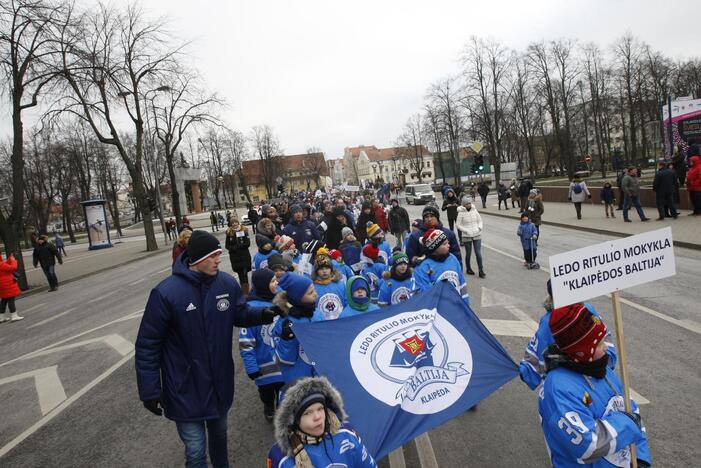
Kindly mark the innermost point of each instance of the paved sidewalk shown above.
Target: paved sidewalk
(686, 230)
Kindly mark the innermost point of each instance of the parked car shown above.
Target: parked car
(245, 221)
(419, 194)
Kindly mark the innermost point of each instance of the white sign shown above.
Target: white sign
(593, 271)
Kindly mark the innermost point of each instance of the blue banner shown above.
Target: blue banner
(410, 367)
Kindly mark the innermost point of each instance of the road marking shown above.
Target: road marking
(99, 298)
(396, 458)
(491, 298)
(510, 327)
(129, 316)
(686, 324)
(170, 268)
(33, 307)
(52, 318)
(521, 315)
(49, 388)
(427, 457)
(639, 399)
(120, 345)
(61, 407)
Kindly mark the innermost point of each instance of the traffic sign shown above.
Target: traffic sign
(587, 158)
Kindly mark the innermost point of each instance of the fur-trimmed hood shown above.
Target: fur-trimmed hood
(285, 414)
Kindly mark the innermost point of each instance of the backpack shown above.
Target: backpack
(577, 188)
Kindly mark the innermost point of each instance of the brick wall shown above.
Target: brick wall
(647, 196)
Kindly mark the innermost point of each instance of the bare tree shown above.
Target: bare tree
(27, 35)
(237, 153)
(267, 149)
(435, 135)
(525, 110)
(111, 61)
(410, 144)
(443, 96)
(627, 53)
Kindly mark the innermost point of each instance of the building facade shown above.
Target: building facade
(367, 165)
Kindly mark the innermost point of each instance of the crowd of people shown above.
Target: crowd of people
(324, 258)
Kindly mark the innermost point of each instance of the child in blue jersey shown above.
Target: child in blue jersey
(286, 246)
(581, 404)
(532, 366)
(265, 250)
(376, 237)
(256, 344)
(439, 264)
(397, 284)
(280, 266)
(298, 302)
(310, 430)
(351, 250)
(329, 287)
(338, 264)
(528, 232)
(357, 297)
(373, 270)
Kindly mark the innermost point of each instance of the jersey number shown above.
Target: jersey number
(573, 425)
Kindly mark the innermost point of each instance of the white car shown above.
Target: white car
(245, 221)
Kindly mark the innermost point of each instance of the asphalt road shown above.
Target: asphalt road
(69, 396)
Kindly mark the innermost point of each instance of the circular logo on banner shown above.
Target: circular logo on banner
(451, 276)
(400, 294)
(417, 360)
(222, 305)
(330, 305)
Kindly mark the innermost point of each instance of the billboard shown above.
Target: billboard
(686, 123)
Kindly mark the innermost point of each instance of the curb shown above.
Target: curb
(36, 290)
(686, 245)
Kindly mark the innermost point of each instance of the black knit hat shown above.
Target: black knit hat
(276, 260)
(261, 284)
(261, 240)
(202, 245)
(295, 208)
(430, 209)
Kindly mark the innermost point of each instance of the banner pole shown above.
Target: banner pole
(622, 359)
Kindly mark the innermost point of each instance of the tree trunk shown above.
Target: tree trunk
(174, 193)
(68, 222)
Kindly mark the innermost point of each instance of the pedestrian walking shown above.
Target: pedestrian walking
(577, 194)
(608, 198)
(631, 188)
(619, 184)
(582, 397)
(366, 214)
(9, 289)
(663, 186)
(181, 244)
(380, 215)
(483, 191)
(186, 221)
(237, 243)
(693, 184)
(450, 205)
(536, 208)
(399, 223)
(503, 195)
(253, 217)
(524, 188)
(469, 224)
(310, 430)
(214, 221)
(46, 255)
(60, 244)
(513, 190)
(188, 316)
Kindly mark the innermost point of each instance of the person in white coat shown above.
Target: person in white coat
(577, 194)
(469, 224)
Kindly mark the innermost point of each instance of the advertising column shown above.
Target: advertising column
(96, 224)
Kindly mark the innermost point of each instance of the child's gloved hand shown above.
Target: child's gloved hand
(534, 237)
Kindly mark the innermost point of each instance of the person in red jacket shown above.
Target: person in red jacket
(693, 182)
(380, 215)
(9, 289)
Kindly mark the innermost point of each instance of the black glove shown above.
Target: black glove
(636, 418)
(254, 375)
(287, 333)
(569, 198)
(268, 314)
(590, 196)
(154, 406)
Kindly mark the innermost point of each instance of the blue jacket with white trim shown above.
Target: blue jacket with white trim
(183, 348)
(343, 449)
(430, 271)
(256, 349)
(294, 362)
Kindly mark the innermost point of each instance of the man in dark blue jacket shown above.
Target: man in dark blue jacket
(664, 187)
(300, 229)
(431, 220)
(183, 357)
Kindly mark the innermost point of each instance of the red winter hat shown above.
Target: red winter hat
(335, 254)
(371, 251)
(577, 331)
(433, 238)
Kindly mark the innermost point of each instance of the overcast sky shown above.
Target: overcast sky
(334, 74)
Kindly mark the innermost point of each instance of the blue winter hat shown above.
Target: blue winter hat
(359, 282)
(295, 285)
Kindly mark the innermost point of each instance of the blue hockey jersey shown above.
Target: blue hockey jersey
(430, 271)
(260, 260)
(294, 362)
(583, 421)
(343, 449)
(256, 349)
(532, 366)
(351, 252)
(331, 299)
(345, 270)
(393, 291)
(349, 311)
(372, 272)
